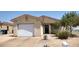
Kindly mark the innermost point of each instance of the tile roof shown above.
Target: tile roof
(30, 16)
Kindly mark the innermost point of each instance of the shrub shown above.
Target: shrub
(62, 35)
(54, 31)
(72, 35)
(45, 37)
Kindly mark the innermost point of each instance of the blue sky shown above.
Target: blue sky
(8, 15)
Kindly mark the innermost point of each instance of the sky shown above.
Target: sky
(6, 16)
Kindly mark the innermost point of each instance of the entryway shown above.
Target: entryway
(46, 29)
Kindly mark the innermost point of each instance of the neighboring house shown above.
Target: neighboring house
(6, 27)
(75, 30)
(28, 25)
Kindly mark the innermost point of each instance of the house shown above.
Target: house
(6, 27)
(28, 25)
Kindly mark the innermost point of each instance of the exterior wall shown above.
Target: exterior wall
(15, 29)
(10, 29)
(37, 30)
(37, 25)
(0, 27)
(4, 27)
(41, 30)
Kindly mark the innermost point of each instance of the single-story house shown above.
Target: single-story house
(6, 27)
(28, 25)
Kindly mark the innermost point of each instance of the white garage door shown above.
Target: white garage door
(25, 30)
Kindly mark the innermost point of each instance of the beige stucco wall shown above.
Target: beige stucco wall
(37, 25)
(4, 27)
(37, 30)
(15, 29)
(0, 27)
(10, 28)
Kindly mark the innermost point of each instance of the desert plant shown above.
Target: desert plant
(55, 27)
(62, 35)
(45, 37)
(54, 31)
(69, 20)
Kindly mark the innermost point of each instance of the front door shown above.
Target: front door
(46, 29)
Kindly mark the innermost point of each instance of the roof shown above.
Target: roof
(25, 15)
(30, 16)
(7, 23)
(43, 16)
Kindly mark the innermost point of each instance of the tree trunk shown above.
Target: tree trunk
(67, 28)
(71, 29)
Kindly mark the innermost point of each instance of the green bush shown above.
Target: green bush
(62, 35)
(54, 31)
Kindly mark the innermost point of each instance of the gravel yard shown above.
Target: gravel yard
(6, 41)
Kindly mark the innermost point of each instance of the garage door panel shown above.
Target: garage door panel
(25, 30)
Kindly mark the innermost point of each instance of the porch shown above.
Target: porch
(50, 28)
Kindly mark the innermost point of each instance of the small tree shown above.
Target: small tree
(76, 22)
(69, 20)
(55, 27)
